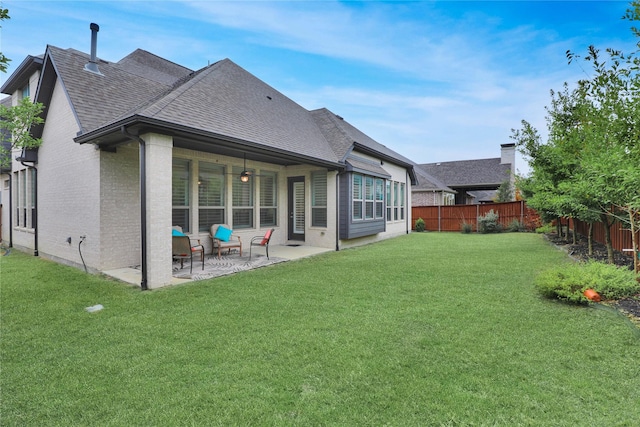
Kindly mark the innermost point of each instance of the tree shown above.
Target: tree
(15, 127)
(505, 192)
(589, 166)
(4, 61)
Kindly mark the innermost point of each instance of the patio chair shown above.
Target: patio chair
(182, 249)
(261, 241)
(195, 242)
(222, 237)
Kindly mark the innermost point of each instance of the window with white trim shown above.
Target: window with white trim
(396, 203)
(211, 195)
(379, 198)
(319, 199)
(268, 199)
(242, 200)
(25, 196)
(180, 189)
(368, 197)
(357, 199)
(389, 200)
(402, 187)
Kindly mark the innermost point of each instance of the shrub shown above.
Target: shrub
(546, 228)
(420, 225)
(466, 228)
(568, 282)
(488, 223)
(516, 226)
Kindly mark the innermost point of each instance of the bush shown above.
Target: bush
(420, 225)
(568, 282)
(516, 226)
(488, 223)
(466, 228)
(547, 228)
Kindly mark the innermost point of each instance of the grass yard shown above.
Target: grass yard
(425, 329)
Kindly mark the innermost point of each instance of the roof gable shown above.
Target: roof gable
(96, 99)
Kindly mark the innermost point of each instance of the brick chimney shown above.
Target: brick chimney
(508, 155)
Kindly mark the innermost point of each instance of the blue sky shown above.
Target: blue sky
(432, 80)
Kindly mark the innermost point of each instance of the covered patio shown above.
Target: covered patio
(228, 264)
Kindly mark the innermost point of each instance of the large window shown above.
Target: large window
(180, 185)
(211, 195)
(268, 199)
(368, 197)
(402, 200)
(396, 203)
(379, 198)
(25, 195)
(357, 198)
(395, 200)
(319, 199)
(242, 198)
(389, 204)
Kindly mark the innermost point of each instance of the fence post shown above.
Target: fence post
(439, 218)
(477, 218)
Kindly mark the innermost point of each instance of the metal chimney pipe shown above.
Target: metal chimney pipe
(94, 40)
(92, 65)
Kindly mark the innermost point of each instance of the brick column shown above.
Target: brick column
(159, 150)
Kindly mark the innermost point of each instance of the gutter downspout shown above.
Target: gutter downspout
(35, 208)
(337, 211)
(11, 209)
(143, 204)
(407, 221)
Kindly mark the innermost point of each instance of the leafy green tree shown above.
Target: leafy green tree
(4, 61)
(15, 127)
(588, 168)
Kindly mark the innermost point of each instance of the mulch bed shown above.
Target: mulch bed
(580, 251)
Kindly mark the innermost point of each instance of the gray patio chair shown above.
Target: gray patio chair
(261, 241)
(182, 249)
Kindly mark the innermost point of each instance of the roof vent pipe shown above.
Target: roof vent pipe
(92, 65)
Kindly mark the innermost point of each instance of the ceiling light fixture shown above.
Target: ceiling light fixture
(245, 174)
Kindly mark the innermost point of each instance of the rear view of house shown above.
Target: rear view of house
(134, 147)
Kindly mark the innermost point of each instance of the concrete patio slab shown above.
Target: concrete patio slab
(230, 264)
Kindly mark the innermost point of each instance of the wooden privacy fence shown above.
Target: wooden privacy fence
(620, 237)
(451, 218)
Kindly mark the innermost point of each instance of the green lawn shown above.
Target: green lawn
(425, 329)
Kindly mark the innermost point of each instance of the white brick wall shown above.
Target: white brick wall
(120, 207)
(68, 189)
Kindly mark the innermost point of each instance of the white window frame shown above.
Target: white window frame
(319, 197)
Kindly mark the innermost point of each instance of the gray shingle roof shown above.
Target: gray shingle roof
(345, 134)
(99, 99)
(221, 99)
(483, 172)
(428, 182)
(225, 99)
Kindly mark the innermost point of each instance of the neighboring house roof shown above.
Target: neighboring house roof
(428, 182)
(470, 173)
